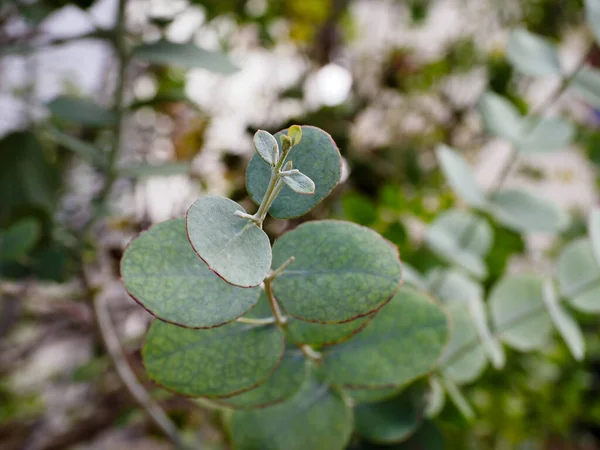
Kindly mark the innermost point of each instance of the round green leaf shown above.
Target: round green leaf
(81, 110)
(316, 418)
(161, 272)
(403, 342)
(377, 395)
(318, 335)
(283, 384)
(392, 421)
(524, 212)
(19, 238)
(452, 286)
(464, 359)
(316, 156)
(341, 271)
(459, 176)
(565, 324)
(587, 84)
(461, 238)
(219, 362)
(579, 276)
(532, 54)
(518, 312)
(545, 135)
(234, 248)
(500, 117)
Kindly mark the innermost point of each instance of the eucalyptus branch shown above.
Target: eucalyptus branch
(311, 353)
(251, 321)
(280, 319)
(274, 274)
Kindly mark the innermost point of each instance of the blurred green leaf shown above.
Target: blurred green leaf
(500, 117)
(532, 55)
(19, 239)
(579, 276)
(587, 83)
(81, 110)
(359, 209)
(88, 152)
(459, 176)
(143, 170)
(592, 14)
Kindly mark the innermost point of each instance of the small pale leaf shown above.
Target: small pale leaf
(459, 176)
(545, 135)
(532, 55)
(500, 117)
(234, 248)
(266, 146)
(299, 183)
(594, 232)
(295, 133)
(491, 345)
(592, 14)
(579, 276)
(587, 84)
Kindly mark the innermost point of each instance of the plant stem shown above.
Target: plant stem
(278, 271)
(248, 320)
(280, 319)
(311, 353)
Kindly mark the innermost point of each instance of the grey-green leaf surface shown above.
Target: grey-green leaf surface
(285, 382)
(143, 170)
(532, 55)
(459, 177)
(518, 312)
(403, 342)
(393, 420)
(316, 418)
(525, 212)
(579, 276)
(188, 56)
(219, 362)
(341, 271)
(592, 14)
(587, 84)
(565, 324)
(492, 347)
(234, 248)
(161, 272)
(373, 395)
(461, 238)
(300, 183)
(82, 111)
(452, 286)
(464, 359)
(266, 146)
(19, 238)
(316, 156)
(411, 276)
(500, 117)
(594, 232)
(545, 135)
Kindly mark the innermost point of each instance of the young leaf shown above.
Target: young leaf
(587, 83)
(565, 324)
(400, 344)
(142, 170)
(518, 312)
(491, 345)
(592, 14)
(234, 248)
(545, 135)
(460, 177)
(341, 271)
(188, 56)
(161, 272)
(461, 238)
(285, 382)
(316, 156)
(295, 133)
(464, 359)
(525, 212)
(82, 111)
(299, 182)
(219, 362)
(594, 232)
(393, 420)
(316, 418)
(579, 276)
(266, 146)
(532, 54)
(19, 238)
(500, 117)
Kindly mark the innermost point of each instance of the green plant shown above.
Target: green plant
(325, 327)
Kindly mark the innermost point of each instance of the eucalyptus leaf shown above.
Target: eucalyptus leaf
(284, 383)
(161, 272)
(492, 347)
(524, 212)
(459, 176)
(592, 14)
(298, 182)
(519, 313)
(316, 418)
(236, 249)
(579, 276)
(587, 84)
(19, 238)
(532, 55)
(565, 324)
(545, 135)
(411, 276)
(266, 146)
(464, 359)
(500, 117)
(187, 55)
(219, 362)
(90, 153)
(316, 156)
(452, 286)
(436, 398)
(461, 238)
(373, 395)
(82, 111)
(143, 170)
(341, 271)
(403, 342)
(594, 232)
